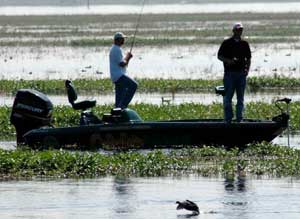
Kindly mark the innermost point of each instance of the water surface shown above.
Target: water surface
(132, 198)
(178, 62)
(258, 7)
(167, 98)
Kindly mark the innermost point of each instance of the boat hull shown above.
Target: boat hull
(158, 134)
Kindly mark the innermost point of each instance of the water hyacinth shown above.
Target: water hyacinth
(91, 86)
(258, 159)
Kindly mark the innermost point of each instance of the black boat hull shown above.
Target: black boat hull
(158, 134)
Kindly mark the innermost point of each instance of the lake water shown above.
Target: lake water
(111, 197)
(179, 62)
(206, 7)
(167, 98)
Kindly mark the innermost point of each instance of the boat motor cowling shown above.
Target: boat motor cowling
(31, 109)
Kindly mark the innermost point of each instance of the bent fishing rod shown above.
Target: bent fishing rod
(137, 25)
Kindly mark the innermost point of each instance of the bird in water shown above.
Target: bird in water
(188, 205)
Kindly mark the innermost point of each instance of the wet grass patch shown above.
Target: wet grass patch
(101, 86)
(256, 159)
(164, 29)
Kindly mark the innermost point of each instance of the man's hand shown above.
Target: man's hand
(128, 56)
(230, 61)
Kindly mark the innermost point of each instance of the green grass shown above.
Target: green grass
(170, 29)
(82, 20)
(259, 159)
(148, 85)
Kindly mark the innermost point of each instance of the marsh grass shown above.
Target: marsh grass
(90, 86)
(164, 29)
(257, 159)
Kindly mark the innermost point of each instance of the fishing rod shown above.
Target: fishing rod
(137, 25)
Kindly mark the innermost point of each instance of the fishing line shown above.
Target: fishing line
(137, 25)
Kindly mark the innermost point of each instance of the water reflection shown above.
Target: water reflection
(238, 184)
(124, 198)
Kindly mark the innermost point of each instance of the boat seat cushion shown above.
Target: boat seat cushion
(84, 105)
(72, 96)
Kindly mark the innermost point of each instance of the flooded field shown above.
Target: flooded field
(112, 197)
(178, 62)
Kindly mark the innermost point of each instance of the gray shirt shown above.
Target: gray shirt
(115, 58)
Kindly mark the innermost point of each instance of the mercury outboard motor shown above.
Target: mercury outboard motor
(31, 110)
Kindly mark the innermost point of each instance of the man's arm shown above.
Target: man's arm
(221, 55)
(248, 59)
(227, 61)
(126, 60)
(247, 67)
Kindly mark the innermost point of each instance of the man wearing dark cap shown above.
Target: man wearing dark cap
(235, 54)
(125, 87)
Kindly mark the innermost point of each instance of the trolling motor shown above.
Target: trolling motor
(285, 113)
(220, 90)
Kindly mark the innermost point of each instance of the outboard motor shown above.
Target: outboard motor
(31, 110)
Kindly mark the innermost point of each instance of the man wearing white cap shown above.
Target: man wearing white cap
(235, 54)
(125, 87)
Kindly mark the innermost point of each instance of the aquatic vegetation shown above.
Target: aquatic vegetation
(165, 29)
(256, 159)
(148, 85)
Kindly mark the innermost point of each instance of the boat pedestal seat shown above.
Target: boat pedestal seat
(84, 105)
(72, 96)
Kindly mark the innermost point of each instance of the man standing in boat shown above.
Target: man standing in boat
(235, 54)
(125, 87)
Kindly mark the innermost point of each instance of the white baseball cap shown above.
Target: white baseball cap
(237, 26)
(119, 35)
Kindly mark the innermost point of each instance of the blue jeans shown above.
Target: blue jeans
(125, 88)
(234, 82)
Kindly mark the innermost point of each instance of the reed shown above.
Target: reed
(164, 29)
(258, 159)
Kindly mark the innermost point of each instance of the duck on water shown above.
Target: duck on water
(188, 205)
